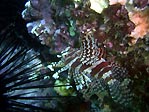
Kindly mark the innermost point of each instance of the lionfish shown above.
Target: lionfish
(92, 74)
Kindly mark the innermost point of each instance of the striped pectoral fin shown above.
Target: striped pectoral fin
(120, 91)
(119, 73)
(95, 87)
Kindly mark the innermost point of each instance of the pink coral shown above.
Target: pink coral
(122, 2)
(141, 20)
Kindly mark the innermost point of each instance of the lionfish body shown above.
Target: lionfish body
(92, 74)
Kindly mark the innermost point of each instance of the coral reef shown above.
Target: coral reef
(120, 37)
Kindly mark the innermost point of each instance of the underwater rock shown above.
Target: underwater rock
(39, 14)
